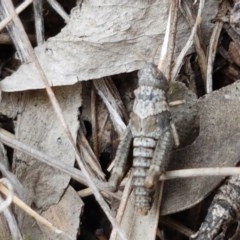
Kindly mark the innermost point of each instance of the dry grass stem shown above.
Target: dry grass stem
(9, 140)
(179, 61)
(201, 172)
(19, 9)
(176, 103)
(12, 223)
(5, 38)
(111, 98)
(38, 20)
(30, 211)
(58, 8)
(33, 58)
(177, 226)
(88, 156)
(213, 45)
(88, 192)
(123, 204)
(94, 122)
(187, 12)
(168, 47)
(9, 195)
(17, 186)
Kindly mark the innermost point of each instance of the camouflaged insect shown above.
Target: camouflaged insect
(150, 129)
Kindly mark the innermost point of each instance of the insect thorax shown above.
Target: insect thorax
(149, 101)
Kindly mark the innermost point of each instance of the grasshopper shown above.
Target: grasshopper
(150, 128)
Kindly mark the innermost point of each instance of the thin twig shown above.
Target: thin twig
(29, 211)
(111, 97)
(188, 44)
(9, 198)
(176, 103)
(88, 192)
(12, 223)
(58, 8)
(6, 39)
(123, 204)
(168, 47)
(38, 20)
(186, 10)
(201, 172)
(13, 180)
(88, 155)
(19, 9)
(94, 122)
(9, 139)
(58, 111)
(213, 46)
(177, 226)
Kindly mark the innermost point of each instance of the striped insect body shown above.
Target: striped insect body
(150, 129)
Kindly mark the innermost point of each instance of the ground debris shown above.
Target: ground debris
(222, 214)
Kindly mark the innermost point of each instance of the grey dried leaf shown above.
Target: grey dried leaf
(65, 215)
(38, 126)
(85, 49)
(214, 147)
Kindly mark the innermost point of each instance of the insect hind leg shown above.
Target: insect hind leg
(160, 158)
(120, 160)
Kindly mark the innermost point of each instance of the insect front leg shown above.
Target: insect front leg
(120, 159)
(162, 151)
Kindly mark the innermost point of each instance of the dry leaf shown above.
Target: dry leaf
(65, 215)
(38, 126)
(217, 145)
(104, 38)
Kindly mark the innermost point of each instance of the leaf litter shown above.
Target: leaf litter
(215, 116)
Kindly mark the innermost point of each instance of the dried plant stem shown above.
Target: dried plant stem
(9, 198)
(111, 98)
(168, 47)
(123, 204)
(177, 226)
(211, 55)
(29, 211)
(94, 122)
(213, 46)
(186, 10)
(5, 38)
(19, 9)
(8, 139)
(38, 20)
(12, 223)
(176, 103)
(58, 8)
(88, 192)
(189, 43)
(89, 156)
(201, 172)
(33, 58)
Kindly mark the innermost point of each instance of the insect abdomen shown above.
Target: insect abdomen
(142, 153)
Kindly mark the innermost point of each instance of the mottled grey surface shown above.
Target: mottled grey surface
(104, 38)
(217, 145)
